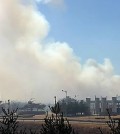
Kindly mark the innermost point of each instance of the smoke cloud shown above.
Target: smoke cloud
(53, 2)
(31, 68)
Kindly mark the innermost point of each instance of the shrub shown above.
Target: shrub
(56, 123)
(9, 123)
(114, 129)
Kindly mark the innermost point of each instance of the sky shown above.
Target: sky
(91, 27)
(47, 46)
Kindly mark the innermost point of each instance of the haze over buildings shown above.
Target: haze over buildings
(34, 65)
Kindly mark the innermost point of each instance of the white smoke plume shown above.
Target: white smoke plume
(53, 2)
(30, 68)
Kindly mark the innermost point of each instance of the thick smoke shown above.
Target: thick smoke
(31, 68)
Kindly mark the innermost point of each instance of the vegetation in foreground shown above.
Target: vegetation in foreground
(114, 128)
(54, 124)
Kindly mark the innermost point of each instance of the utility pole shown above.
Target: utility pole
(65, 92)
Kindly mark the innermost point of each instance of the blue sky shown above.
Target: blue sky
(91, 27)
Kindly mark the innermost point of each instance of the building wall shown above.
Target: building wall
(114, 104)
(99, 106)
(88, 102)
(103, 105)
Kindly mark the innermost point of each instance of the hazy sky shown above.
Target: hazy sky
(91, 27)
(47, 46)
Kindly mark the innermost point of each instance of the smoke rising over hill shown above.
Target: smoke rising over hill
(29, 67)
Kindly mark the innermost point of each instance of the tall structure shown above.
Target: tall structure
(97, 105)
(114, 104)
(88, 102)
(104, 105)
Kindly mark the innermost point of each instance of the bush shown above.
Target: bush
(9, 123)
(55, 124)
(114, 128)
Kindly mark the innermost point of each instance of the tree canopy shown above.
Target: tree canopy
(73, 107)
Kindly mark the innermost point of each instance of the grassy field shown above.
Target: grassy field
(80, 127)
(82, 117)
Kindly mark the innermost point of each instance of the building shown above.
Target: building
(98, 106)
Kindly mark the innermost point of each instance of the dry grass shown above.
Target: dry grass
(86, 118)
(79, 127)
